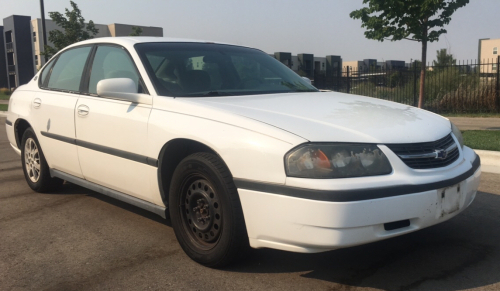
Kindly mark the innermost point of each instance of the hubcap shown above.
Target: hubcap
(201, 212)
(32, 160)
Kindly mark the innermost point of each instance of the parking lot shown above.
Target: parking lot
(76, 239)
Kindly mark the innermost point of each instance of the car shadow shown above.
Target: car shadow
(70, 189)
(465, 246)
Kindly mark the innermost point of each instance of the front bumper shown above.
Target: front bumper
(313, 225)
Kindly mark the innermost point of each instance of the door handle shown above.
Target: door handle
(37, 102)
(83, 110)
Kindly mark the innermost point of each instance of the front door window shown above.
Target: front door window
(111, 62)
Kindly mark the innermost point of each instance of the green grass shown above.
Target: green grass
(4, 107)
(497, 115)
(4, 94)
(482, 139)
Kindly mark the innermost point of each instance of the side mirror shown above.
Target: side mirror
(307, 80)
(122, 89)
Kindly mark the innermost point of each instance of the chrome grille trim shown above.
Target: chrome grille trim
(427, 155)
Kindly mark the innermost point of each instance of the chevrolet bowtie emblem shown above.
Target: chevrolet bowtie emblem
(441, 154)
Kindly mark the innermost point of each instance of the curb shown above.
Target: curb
(490, 161)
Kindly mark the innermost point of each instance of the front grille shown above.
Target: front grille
(426, 148)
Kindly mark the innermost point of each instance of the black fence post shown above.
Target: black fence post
(415, 84)
(461, 87)
(498, 85)
(348, 81)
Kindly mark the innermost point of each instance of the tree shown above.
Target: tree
(136, 31)
(444, 59)
(416, 64)
(73, 28)
(416, 20)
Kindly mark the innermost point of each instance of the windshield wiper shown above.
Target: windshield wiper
(218, 93)
(209, 93)
(303, 90)
(294, 88)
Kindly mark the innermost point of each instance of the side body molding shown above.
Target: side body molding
(161, 211)
(107, 150)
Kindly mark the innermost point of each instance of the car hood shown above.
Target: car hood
(336, 117)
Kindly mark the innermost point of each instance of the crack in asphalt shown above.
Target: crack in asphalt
(480, 253)
(11, 168)
(12, 179)
(22, 194)
(59, 202)
(120, 264)
(10, 161)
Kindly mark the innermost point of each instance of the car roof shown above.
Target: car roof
(130, 41)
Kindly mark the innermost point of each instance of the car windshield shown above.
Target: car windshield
(207, 69)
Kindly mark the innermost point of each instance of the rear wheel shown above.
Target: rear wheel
(35, 168)
(206, 212)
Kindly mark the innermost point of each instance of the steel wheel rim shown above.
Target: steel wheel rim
(32, 160)
(201, 212)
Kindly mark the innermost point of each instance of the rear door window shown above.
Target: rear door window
(68, 69)
(45, 73)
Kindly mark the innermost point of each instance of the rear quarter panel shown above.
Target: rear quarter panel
(19, 108)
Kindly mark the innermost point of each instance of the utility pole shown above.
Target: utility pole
(44, 31)
(415, 100)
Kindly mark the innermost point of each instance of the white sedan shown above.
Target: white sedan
(238, 149)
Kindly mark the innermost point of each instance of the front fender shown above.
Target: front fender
(248, 154)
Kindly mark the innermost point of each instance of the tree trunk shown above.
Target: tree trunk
(423, 69)
(422, 74)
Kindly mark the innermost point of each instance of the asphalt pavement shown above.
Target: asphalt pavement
(76, 239)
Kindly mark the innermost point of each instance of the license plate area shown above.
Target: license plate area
(449, 199)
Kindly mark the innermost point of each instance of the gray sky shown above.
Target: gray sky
(321, 27)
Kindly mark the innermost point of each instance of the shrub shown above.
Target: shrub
(5, 91)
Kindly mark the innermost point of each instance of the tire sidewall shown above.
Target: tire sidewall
(196, 165)
(44, 169)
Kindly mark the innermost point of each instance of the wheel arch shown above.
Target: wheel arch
(20, 127)
(171, 154)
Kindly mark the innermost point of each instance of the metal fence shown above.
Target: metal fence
(465, 87)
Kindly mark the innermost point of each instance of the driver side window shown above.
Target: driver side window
(112, 62)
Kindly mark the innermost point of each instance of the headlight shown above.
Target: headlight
(457, 134)
(329, 161)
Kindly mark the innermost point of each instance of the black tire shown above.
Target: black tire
(205, 211)
(38, 179)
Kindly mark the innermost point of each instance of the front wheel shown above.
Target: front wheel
(206, 212)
